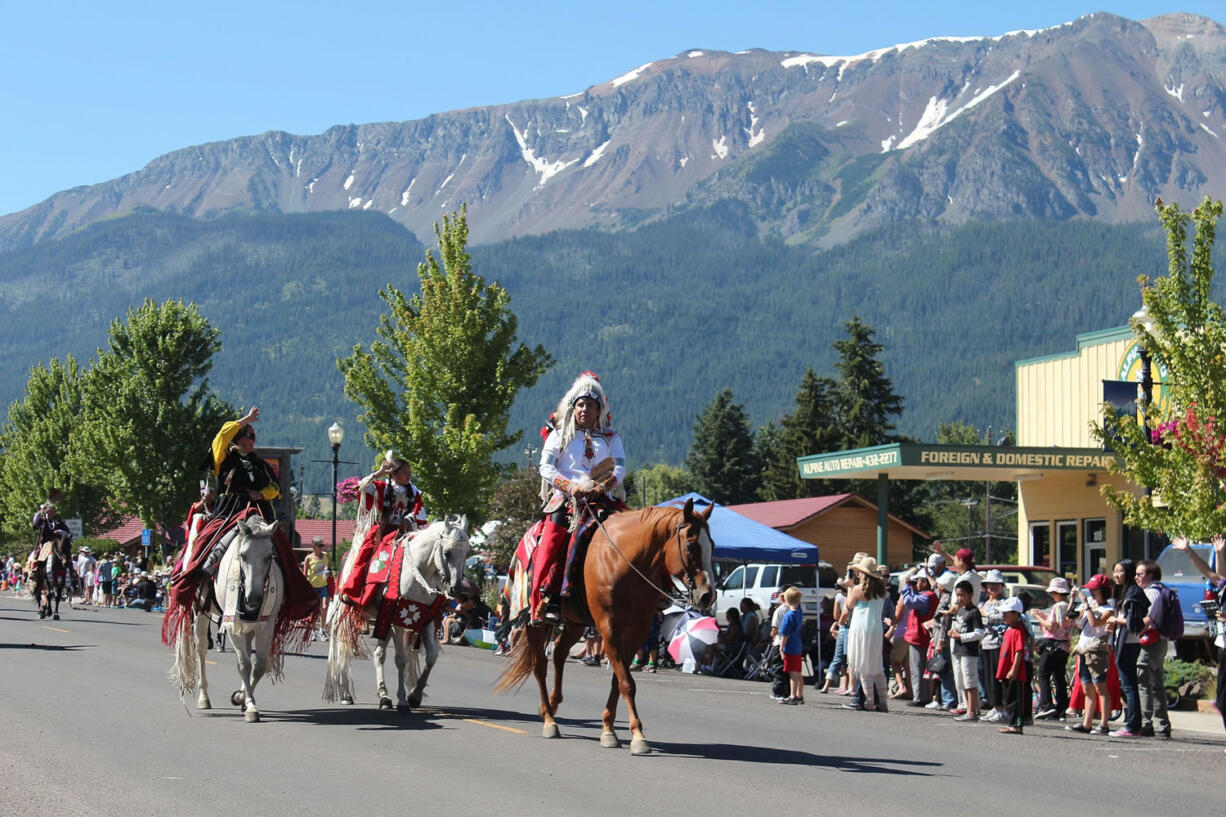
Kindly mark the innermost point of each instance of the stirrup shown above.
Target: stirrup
(552, 611)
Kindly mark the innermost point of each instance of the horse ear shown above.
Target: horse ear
(461, 522)
(707, 513)
(243, 527)
(689, 507)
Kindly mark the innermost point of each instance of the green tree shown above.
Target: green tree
(653, 484)
(148, 413)
(866, 398)
(811, 428)
(438, 383)
(722, 457)
(36, 440)
(1180, 461)
(516, 504)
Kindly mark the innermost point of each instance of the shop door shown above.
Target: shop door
(1095, 537)
(1066, 548)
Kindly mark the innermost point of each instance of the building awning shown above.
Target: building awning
(951, 462)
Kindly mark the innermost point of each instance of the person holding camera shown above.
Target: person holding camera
(917, 596)
(1094, 650)
(1216, 589)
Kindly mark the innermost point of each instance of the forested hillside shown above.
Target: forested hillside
(668, 314)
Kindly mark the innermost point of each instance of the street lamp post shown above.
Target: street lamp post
(969, 503)
(1141, 316)
(336, 435)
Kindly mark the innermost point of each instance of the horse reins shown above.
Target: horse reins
(690, 578)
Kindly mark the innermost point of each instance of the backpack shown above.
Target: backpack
(1167, 614)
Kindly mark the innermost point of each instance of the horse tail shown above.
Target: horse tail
(344, 642)
(518, 667)
(184, 670)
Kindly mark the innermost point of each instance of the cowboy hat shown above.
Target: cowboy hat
(866, 564)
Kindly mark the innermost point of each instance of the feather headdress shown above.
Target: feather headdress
(585, 385)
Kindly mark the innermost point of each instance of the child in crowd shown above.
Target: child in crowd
(1053, 649)
(792, 646)
(965, 633)
(1012, 668)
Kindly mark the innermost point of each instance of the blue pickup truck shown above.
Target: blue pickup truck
(1179, 574)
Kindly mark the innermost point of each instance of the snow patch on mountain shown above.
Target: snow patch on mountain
(1173, 91)
(720, 147)
(596, 154)
(349, 182)
(545, 168)
(630, 76)
(404, 197)
(757, 138)
(936, 114)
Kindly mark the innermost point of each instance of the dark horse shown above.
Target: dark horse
(633, 562)
(48, 579)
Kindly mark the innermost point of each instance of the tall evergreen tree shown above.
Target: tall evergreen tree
(866, 398)
(811, 428)
(722, 457)
(439, 382)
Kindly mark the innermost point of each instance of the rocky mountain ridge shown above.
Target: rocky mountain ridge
(1091, 119)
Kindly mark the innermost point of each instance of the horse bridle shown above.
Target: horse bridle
(693, 549)
(675, 593)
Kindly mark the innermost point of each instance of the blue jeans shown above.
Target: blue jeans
(839, 662)
(1126, 660)
(949, 692)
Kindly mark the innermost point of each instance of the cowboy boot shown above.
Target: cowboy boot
(548, 568)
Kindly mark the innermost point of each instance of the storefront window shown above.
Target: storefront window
(1066, 542)
(1040, 544)
(1142, 544)
(1094, 535)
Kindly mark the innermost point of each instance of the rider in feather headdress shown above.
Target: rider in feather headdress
(583, 460)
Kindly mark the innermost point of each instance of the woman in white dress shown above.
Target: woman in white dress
(865, 633)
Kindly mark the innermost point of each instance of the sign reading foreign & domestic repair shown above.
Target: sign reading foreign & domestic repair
(903, 455)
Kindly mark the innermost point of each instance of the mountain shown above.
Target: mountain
(1089, 120)
(668, 313)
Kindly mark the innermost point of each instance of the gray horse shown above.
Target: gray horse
(433, 567)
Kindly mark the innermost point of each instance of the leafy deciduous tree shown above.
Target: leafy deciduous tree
(36, 444)
(1182, 460)
(438, 383)
(653, 484)
(148, 414)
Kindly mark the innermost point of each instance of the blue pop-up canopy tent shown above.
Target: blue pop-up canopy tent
(741, 539)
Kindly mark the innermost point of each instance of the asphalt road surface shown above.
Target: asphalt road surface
(92, 727)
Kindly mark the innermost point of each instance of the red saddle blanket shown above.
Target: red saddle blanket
(394, 610)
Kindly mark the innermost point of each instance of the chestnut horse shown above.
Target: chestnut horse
(634, 560)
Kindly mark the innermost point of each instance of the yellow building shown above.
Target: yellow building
(1063, 521)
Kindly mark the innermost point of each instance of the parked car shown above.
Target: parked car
(1022, 574)
(1179, 574)
(762, 582)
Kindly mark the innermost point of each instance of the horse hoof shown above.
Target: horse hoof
(385, 703)
(609, 741)
(415, 701)
(204, 703)
(346, 701)
(237, 697)
(550, 730)
(252, 716)
(404, 709)
(639, 746)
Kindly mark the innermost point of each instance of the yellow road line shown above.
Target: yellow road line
(495, 726)
(57, 629)
(207, 661)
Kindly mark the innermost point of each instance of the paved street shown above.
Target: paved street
(93, 728)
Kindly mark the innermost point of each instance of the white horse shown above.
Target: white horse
(433, 567)
(247, 593)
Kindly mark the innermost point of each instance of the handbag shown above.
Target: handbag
(936, 664)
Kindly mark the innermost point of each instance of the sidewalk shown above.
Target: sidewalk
(1206, 721)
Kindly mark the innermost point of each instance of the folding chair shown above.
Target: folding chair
(757, 664)
(728, 664)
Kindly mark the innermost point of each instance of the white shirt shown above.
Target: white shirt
(561, 466)
(776, 620)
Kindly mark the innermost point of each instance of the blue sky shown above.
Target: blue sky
(93, 90)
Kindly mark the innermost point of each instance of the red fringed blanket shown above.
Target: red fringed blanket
(297, 617)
